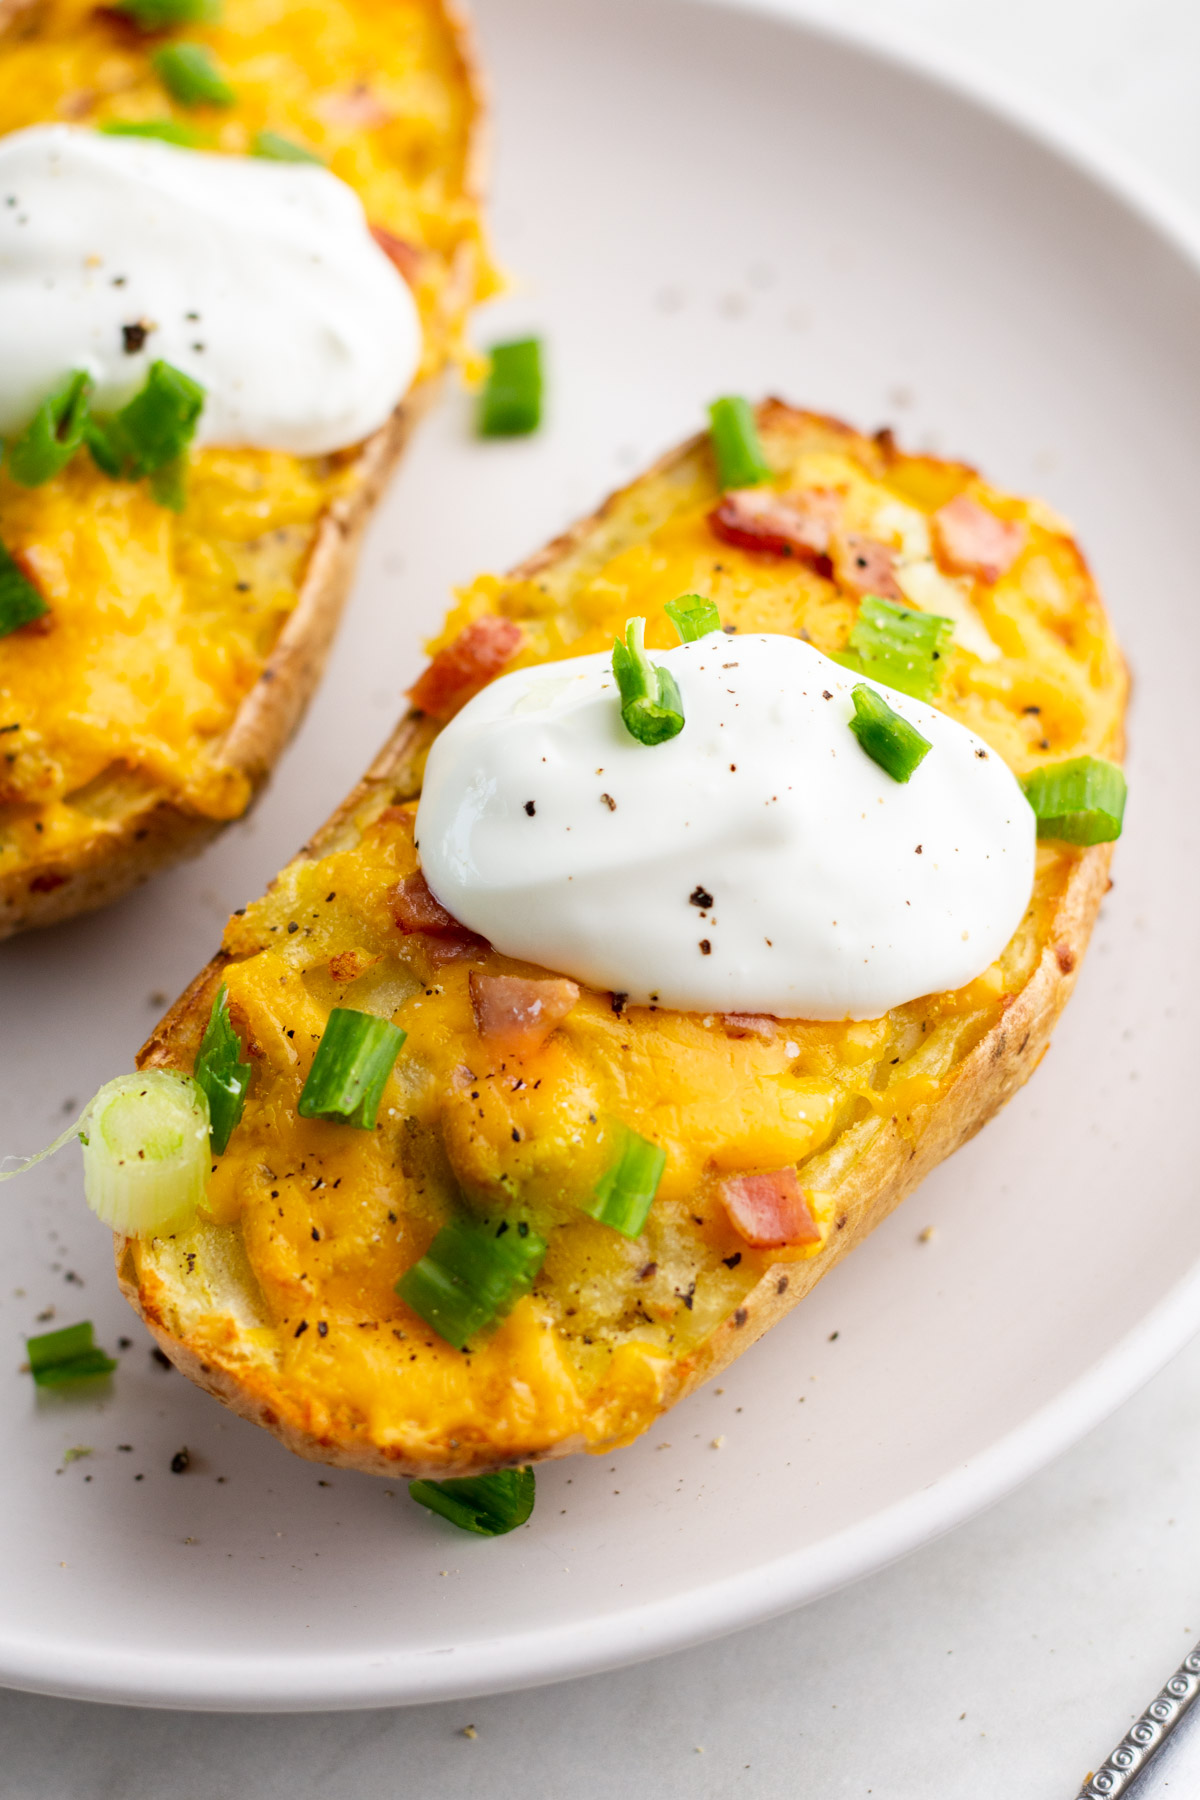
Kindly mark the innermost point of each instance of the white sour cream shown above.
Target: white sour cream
(759, 862)
(259, 279)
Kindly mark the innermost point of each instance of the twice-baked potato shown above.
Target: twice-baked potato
(283, 1299)
(147, 706)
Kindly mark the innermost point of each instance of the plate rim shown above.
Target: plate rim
(547, 1654)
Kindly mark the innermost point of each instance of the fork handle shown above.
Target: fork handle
(1147, 1735)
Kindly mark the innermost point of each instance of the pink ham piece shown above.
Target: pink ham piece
(462, 667)
(417, 913)
(970, 540)
(516, 1014)
(402, 255)
(358, 109)
(770, 1211)
(863, 565)
(740, 1025)
(415, 909)
(779, 524)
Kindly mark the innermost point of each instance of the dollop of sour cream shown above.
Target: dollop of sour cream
(259, 279)
(758, 862)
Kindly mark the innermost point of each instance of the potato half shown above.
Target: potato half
(282, 1299)
(149, 706)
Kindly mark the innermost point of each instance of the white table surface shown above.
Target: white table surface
(1005, 1660)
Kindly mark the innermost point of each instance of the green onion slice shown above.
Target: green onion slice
(889, 740)
(168, 131)
(221, 1073)
(145, 1144)
(650, 700)
(736, 444)
(190, 74)
(1079, 802)
(693, 617)
(168, 485)
(487, 1504)
(899, 647)
(471, 1276)
(20, 601)
(145, 1141)
(150, 435)
(168, 15)
(511, 404)
(277, 148)
(625, 1192)
(71, 1354)
(350, 1070)
(54, 433)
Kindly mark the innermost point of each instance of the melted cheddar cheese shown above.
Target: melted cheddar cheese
(160, 624)
(322, 1218)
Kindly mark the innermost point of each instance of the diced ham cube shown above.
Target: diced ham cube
(970, 540)
(774, 524)
(358, 108)
(770, 1211)
(415, 909)
(400, 253)
(757, 1025)
(865, 566)
(418, 913)
(516, 1014)
(453, 949)
(465, 665)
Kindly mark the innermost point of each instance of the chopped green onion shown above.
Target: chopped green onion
(693, 617)
(150, 435)
(146, 1152)
(625, 1192)
(190, 74)
(350, 1070)
(511, 404)
(20, 602)
(168, 15)
(168, 485)
(736, 444)
(650, 700)
(54, 433)
(71, 1354)
(277, 148)
(168, 131)
(221, 1073)
(487, 1504)
(889, 740)
(1079, 802)
(899, 647)
(471, 1276)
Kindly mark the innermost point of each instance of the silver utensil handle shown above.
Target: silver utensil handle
(1147, 1735)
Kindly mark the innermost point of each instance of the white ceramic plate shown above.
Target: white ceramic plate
(696, 200)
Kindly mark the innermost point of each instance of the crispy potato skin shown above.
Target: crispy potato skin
(157, 830)
(901, 1154)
